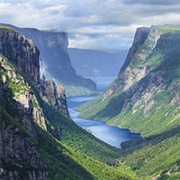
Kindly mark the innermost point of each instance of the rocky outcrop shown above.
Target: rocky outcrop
(19, 97)
(128, 75)
(55, 94)
(139, 38)
(20, 109)
(18, 153)
(22, 52)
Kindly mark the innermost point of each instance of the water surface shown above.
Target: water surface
(109, 134)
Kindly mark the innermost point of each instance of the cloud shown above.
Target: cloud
(152, 2)
(91, 24)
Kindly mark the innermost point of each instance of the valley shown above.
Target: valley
(41, 136)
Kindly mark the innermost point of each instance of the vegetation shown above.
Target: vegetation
(67, 158)
(158, 154)
(163, 66)
(67, 163)
(75, 137)
(6, 28)
(150, 107)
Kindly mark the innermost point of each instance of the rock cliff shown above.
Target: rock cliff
(26, 59)
(20, 109)
(24, 54)
(55, 61)
(17, 147)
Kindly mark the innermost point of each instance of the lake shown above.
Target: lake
(109, 134)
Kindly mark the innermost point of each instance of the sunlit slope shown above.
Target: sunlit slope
(145, 97)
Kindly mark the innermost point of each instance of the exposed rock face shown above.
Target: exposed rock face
(20, 109)
(55, 94)
(20, 97)
(129, 75)
(55, 61)
(22, 52)
(17, 150)
(140, 36)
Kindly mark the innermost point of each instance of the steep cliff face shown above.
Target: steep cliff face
(26, 58)
(17, 147)
(23, 53)
(55, 94)
(55, 61)
(145, 96)
(20, 109)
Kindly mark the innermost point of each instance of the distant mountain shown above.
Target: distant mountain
(92, 63)
(145, 98)
(55, 61)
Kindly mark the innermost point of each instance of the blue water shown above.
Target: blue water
(109, 134)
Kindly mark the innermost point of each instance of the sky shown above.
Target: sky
(107, 25)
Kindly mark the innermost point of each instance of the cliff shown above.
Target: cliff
(147, 84)
(20, 109)
(17, 147)
(55, 62)
(22, 52)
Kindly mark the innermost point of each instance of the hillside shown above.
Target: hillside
(55, 61)
(38, 140)
(91, 63)
(145, 99)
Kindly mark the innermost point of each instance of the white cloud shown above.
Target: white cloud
(102, 24)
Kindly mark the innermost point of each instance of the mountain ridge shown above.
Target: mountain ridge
(147, 68)
(145, 99)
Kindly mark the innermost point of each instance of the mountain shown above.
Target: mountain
(145, 99)
(55, 61)
(38, 140)
(92, 63)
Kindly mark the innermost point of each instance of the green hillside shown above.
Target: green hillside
(153, 97)
(145, 98)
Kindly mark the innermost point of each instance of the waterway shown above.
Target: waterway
(109, 134)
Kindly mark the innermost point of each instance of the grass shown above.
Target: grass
(153, 155)
(6, 29)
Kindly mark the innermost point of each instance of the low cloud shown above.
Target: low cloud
(102, 24)
(152, 2)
